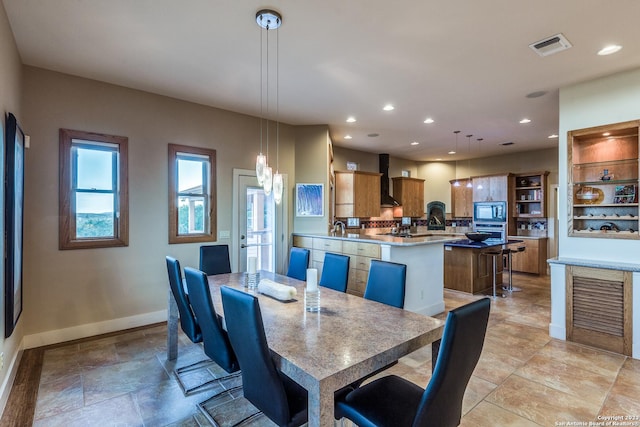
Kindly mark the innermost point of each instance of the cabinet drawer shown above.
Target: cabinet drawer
(364, 249)
(361, 262)
(303, 242)
(317, 255)
(328, 245)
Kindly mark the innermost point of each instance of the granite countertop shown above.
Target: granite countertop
(467, 243)
(593, 263)
(415, 240)
(528, 237)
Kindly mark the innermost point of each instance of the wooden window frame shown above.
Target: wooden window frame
(207, 236)
(67, 225)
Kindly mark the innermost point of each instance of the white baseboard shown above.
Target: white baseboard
(7, 384)
(92, 329)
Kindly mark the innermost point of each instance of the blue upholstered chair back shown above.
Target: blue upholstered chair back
(298, 263)
(263, 384)
(386, 283)
(215, 340)
(188, 321)
(335, 272)
(214, 259)
(460, 349)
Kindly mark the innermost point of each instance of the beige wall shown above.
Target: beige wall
(312, 167)
(78, 289)
(10, 87)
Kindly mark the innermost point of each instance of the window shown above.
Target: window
(94, 203)
(192, 189)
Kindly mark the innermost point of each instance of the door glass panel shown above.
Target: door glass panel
(260, 227)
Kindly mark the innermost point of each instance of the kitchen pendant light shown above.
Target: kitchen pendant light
(278, 183)
(268, 19)
(479, 187)
(469, 184)
(456, 183)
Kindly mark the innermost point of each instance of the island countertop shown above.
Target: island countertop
(415, 240)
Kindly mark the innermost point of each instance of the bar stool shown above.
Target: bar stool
(508, 253)
(494, 254)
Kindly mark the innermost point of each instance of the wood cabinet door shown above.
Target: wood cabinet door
(498, 188)
(462, 200)
(366, 195)
(481, 189)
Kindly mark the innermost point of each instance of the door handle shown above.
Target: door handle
(243, 246)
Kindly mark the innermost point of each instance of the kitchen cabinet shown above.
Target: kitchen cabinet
(534, 258)
(470, 270)
(357, 194)
(530, 195)
(360, 256)
(603, 181)
(491, 188)
(410, 193)
(461, 198)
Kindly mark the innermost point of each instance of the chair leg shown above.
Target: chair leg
(187, 391)
(210, 417)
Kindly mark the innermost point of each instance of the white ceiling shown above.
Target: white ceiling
(464, 63)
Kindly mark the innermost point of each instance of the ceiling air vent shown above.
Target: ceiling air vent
(506, 144)
(550, 45)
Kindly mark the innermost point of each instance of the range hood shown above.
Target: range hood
(385, 198)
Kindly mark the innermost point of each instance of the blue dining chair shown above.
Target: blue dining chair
(214, 259)
(214, 339)
(335, 272)
(386, 283)
(281, 399)
(393, 401)
(188, 322)
(298, 263)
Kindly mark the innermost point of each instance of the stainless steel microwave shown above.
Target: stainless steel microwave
(490, 212)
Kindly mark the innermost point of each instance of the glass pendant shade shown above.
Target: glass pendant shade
(469, 184)
(261, 163)
(277, 187)
(456, 184)
(267, 182)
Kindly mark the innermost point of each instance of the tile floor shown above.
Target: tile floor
(523, 378)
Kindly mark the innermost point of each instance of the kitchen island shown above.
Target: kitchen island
(468, 268)
(423, 254)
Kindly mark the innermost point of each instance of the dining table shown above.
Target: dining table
(348, 338)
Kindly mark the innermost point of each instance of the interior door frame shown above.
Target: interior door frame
(281, 231)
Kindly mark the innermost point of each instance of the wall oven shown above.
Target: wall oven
(498, 230)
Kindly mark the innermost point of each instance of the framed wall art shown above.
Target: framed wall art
(309, 200)
(13, 217)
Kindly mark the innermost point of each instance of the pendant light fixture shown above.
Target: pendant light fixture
(479, 141)
(278, 183)
(456, 182)
(267, 19)
(469, 183)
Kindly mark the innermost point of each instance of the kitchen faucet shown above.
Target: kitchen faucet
(338, 224)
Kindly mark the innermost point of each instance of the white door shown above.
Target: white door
(261, 224)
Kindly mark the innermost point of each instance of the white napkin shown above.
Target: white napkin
(277, 290)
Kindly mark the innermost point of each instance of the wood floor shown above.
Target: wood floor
(523, 378)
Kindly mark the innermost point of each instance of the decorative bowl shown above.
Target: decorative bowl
(478, 236)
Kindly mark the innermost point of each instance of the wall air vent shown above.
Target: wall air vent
(550, 45)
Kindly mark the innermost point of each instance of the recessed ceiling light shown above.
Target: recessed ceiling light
(428, 120)
(451, 152)
(351, 119)
(388, 107)
(552, 136)
(347, 137)
(415, 143)
(608, 50)
(606, 134)
(523, 121)
(438, 159)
